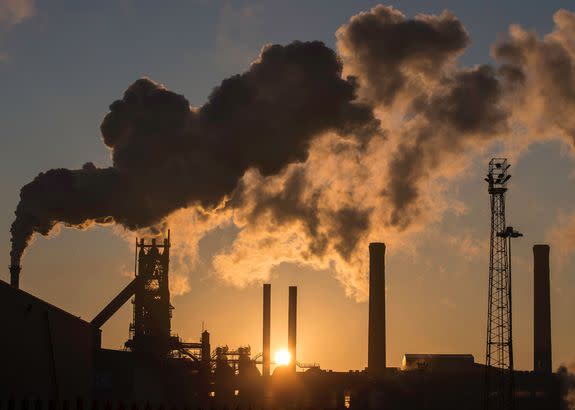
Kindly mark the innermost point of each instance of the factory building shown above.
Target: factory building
(45, 352)
(438, 362)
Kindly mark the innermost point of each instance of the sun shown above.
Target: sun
(282, 357)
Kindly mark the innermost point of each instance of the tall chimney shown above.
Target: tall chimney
(376, 363)
(15, 275)
(292, 326)
(541, 310)
(266, 330)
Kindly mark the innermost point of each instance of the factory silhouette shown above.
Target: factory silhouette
(333, 144)
(52, 358)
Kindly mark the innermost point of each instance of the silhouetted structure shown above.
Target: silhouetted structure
(150, 329)
(436, 362)
(292, 327)
(48, 354)
(266, 339)
(45, 352)
(376, 355)
(15, 275)
(541, 310)
(115, 304)
(499, 389)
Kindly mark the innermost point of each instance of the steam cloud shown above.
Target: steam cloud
(539, 74)
(309, 153)
(445, 108)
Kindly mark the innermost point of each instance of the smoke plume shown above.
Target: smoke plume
(167, 155)
(393, 55)
(310, 153)
(539, 75)
(409, 67)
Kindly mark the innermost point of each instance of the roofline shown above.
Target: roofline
(37, 299)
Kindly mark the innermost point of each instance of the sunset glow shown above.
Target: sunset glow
(196, 190)
(282, 357)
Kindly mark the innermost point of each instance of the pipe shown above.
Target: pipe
(266, 361)
(541, 310)
(292, 327)
(15, 275)
(115, 304)
(376, 356)
(206, 350)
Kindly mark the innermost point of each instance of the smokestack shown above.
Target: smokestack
(376, 363)
(206, 350)
(541, 310)
(266, 330)
(292, 326)
(15, 275)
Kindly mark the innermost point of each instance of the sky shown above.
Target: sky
(63, 63)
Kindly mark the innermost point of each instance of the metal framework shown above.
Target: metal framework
(499, 386)
(150, 329)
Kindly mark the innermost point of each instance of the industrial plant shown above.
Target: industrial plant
(50, 356)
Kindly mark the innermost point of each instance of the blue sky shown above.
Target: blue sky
(65, 62)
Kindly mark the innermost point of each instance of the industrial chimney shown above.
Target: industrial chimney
(541, 310)
(292, 326)
(376, 363)
(15, 275)
(266, 330)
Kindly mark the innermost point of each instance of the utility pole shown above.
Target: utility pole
(499, 385)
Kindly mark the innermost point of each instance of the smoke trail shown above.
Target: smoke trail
(291, 152)
(167, 156)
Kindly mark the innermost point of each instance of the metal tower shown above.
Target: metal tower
(150, 330)
(499, 387)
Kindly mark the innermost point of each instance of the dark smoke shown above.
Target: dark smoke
(413, 60)
(467, 110)
(386, 50)
(167, 156)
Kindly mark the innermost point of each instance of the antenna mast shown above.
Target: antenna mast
(499, 385)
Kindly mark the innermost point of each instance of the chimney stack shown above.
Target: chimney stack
(376, 361)
(292, 326)
(266, 330)
(541, 310)
(206, 350)
(15, 275)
